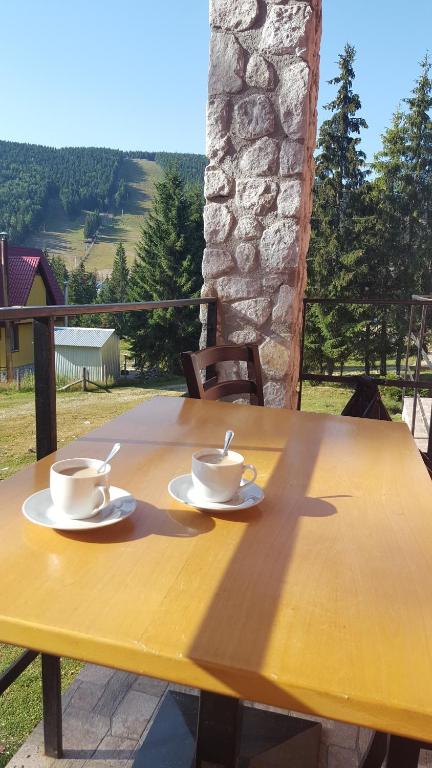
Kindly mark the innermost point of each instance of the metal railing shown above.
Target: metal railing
(409, 381)
(43, 349)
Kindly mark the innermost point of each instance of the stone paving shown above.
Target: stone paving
(108, 713)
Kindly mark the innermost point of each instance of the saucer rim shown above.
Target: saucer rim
(83, 524)
(214, 506)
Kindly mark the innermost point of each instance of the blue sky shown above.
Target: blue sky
(133, 74)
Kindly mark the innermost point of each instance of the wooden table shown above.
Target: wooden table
(318, 600)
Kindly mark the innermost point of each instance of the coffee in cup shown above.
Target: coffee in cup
(217, 478)
(77, 489)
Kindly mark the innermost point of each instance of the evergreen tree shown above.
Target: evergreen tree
(167, 267)
(59, 268)
(419, 169)
(82, 290)
(338, 263)
(115, 290)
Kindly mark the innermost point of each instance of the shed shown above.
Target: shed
(96, 349)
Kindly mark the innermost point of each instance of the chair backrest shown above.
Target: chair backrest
(213, 389)
(366, 401)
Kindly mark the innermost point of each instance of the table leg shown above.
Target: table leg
(402, 753)
(52, 709)
(376, 752)
(219, 728)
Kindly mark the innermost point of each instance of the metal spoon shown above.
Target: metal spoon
(115, 449)
(228, 439)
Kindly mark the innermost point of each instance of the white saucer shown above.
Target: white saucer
(181, 488)
(39, 509)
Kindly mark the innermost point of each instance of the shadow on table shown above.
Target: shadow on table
(242, 631)
(148, 520)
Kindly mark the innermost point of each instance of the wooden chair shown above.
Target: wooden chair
(213, 389)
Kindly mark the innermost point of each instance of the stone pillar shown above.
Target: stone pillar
(261, 128)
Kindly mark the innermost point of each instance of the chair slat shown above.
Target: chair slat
(195, 362)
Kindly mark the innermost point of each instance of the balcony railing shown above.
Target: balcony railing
(412, 376)
(44, 358)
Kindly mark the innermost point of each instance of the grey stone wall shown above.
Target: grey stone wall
(261, 128)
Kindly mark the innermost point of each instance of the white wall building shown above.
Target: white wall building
(96, 349)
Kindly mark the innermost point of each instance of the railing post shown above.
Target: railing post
(45, 386)
(211, 324)
(46, 443)
(418, 366)
(211, 335)
(302, 344)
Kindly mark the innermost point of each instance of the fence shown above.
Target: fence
(410, 381)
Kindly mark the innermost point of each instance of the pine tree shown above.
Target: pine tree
(115, 290)
(419, 168)
(59, 268)
(166, 267)
(83, 290)
(338, 263)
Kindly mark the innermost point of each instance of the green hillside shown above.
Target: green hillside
(63, 235)
(47, 193)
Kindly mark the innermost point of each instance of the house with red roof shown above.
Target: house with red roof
(31, 282)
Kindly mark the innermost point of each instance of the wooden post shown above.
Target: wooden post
(45, 386)
(4, 262)
(84, 379)
(211, 336)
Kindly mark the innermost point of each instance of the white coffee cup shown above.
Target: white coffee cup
(75, 496)
(219, 482)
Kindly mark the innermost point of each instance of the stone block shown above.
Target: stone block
(92, 673)
(290, 198)
(218, 117)
(292, 158)
(260, 158)
(260, 73)
(150, 685)
(253, 117)
(256, 195)
(87, 695)
(248, 228)
(287, 29)
(113, 752)
(245, 257)
(32, 756)
(217, 183)
(232, 288)
(245, 335)
(338, 757)
(250, 312)
(132, 715)
(339, 734)
(227, 64)
(275, 394)
(216, 262)
(235, 16)
(283, 310)
(274, 358)
(279, 246)
(218, 221)
(115, 690)
(82, 731)
(294, 101)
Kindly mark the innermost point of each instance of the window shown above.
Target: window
(14, 337)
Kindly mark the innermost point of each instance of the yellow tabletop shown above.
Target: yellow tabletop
(318, 600)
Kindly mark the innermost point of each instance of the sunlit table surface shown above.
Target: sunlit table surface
(317, 600)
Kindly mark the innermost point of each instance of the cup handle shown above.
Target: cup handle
(106, 496)
(244, 483)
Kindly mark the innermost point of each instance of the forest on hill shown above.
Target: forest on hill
(81, 178)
